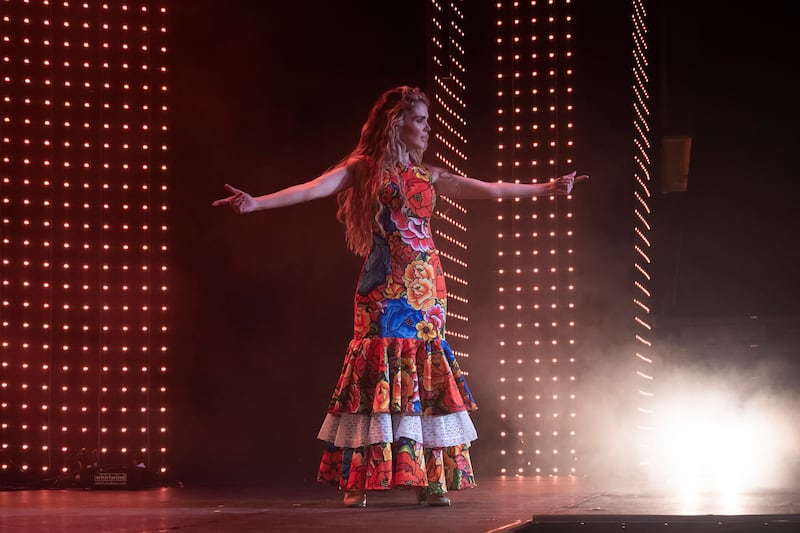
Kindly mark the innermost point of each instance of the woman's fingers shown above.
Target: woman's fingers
(568, 181)
(222, 201)
(236, 197)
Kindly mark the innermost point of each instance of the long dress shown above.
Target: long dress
(399, 415)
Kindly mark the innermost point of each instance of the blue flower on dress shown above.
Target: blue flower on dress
(399, 320)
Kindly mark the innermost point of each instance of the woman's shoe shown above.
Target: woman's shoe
(438, 500)
(355, 498)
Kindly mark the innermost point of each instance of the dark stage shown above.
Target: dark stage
(509, 505)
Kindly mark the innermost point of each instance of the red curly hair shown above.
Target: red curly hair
(377, 152)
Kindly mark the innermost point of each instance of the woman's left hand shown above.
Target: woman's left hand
(565, 183)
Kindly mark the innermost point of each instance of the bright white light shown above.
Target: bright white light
(712, 440)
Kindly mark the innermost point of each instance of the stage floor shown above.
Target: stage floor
(495, 505)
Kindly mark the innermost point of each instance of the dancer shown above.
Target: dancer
(399, 414)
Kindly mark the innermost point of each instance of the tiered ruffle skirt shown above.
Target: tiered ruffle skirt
(399, 417)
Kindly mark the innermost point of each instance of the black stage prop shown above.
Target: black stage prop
(665, 523)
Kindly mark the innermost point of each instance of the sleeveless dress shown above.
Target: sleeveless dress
(399, 415)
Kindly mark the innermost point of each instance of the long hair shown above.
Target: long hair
(378, 152)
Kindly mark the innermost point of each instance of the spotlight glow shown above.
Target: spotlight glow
(712, 440)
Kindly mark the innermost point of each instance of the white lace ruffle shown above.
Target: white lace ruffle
(354, 431)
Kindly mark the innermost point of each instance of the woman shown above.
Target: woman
(399, 415)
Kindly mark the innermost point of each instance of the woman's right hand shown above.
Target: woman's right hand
(239, 201)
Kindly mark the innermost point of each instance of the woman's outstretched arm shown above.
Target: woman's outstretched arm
(331, 182)
(456, 186)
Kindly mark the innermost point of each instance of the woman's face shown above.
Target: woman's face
(415, 129)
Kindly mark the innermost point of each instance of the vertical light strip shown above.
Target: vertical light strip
(536, 347)
(449, 148)
(83, 316)
(641, 225)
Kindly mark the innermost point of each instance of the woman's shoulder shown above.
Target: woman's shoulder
(432, 170)
(360, 161)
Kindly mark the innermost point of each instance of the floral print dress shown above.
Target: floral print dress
(399, 415)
